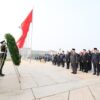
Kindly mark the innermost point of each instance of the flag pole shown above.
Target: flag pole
(31, 38)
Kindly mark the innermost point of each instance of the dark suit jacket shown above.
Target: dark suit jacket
(67, 57)
(74, 58)
(85, 58)
(96, 58)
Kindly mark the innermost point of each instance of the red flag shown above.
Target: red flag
(25, 27)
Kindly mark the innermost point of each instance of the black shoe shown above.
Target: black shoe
(75, 73)
(94, 73)
(2, 74)
(97, 74)
(72, 72)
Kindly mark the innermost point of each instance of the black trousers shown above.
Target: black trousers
(89, 65)
(67, 64)
(4, 58)
(74, 67)
(81, 66)
(85, 66)
(96, 67)
(63, 63)
(58, 63)
(54, 62)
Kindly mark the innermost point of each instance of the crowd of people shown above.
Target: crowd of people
(85, 60)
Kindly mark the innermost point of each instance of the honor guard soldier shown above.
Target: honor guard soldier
(4, 55)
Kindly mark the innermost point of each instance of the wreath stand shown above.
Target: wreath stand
(17, 73)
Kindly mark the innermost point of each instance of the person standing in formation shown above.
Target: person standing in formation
(67, 57)
(96, 61)
(85, 61)
(74, 61)
(81, 61)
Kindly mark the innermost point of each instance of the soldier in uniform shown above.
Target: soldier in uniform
(74, 61)
(4, 51)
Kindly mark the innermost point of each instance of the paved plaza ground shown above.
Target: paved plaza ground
(44, 81)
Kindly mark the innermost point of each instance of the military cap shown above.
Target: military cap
(2, 42)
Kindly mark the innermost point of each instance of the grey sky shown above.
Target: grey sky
(67, 23)
(58, 23)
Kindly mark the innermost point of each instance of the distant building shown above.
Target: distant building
(25, 52)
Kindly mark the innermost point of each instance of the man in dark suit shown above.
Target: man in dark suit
(62, 59)
(4, 55)
(85, 60)
(81, 61)
(89, 60)
(74, 61)
(67, 57)
(58, 59)
(96, 62)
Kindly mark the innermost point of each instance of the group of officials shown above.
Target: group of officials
(83, 60)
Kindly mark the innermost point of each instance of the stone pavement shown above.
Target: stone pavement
(43, 81)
